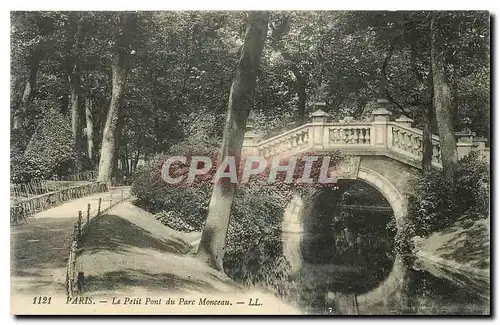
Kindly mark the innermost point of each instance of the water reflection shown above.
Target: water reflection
(346, 251)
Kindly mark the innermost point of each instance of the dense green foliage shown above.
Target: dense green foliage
(434, 205)
(183, 62)
(49, 152)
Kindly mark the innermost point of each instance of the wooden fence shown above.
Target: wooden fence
(74, 278)
(90, 175)
(24, 208)
(41, 186)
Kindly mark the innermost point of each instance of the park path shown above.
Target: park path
(40, 248)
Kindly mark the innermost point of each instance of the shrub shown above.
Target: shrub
(434, 204)
(24, 170)
(51, 148)
(155, 195)
(254, 248)
(431, 206)
(473, 187)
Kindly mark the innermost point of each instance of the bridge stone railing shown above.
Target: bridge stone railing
(380, 136)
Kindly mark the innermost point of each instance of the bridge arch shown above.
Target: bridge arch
(391, 185)
(382, 152)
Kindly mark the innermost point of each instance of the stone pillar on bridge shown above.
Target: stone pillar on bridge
(379, 133)
(480, 145)
(250, 140)
(465, 142)
(404, 121)
(317, 132)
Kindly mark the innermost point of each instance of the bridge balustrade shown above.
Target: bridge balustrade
(379, 136)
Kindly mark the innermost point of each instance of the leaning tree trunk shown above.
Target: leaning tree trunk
(241, 98)
(442, 104)
(119, 68)
(89, 129)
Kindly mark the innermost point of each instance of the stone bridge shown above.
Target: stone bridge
(382, 152)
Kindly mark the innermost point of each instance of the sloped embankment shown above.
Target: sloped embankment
(128, 252)
(460, 253)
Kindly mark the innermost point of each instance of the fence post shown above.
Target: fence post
(80, 279)
(99, 207)
(79, 224)
(88, 213)
(74, 248)
(122, 194)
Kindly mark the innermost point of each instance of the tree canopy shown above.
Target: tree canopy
(182, 64)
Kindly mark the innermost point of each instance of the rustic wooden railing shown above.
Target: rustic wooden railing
(41, 186)
(75, 278)
(24, 208)
(380, 136)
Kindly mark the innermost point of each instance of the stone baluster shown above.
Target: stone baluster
(345, 138)
(342, 136)
(415, 145)
(380, 119)
(355, 135)
(407, 141)
(418, 146)
(401, 139)
(395, 137)
(334, 135)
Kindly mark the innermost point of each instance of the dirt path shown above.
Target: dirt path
(39, 249)
(126, 253)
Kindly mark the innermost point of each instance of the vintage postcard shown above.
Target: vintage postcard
(261, 162)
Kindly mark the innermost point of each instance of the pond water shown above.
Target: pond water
(344, 263)
(423, 295)
(333, 277)
(338, 268)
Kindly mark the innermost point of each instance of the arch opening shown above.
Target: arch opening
(348, 239)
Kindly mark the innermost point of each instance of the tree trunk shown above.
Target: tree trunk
(74, 44)
(241, 99)
(34, 62)
(425, 102)
(442, 104)
(119, 68)
(135, 162)
(301, 93)
(427, 150)
(75, 115)
(126, 164)
(89, 129)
